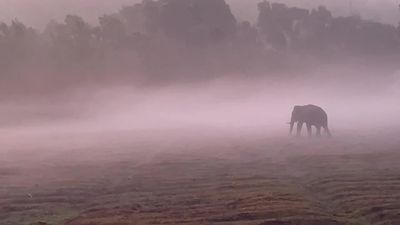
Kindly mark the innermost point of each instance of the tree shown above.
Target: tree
(17, 41)
(112, 31)
(197, 22)
(273, 22)
(72, 44)
(142, 17)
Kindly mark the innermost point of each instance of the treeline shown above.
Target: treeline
(159, 40)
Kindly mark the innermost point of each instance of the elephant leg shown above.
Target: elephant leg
(299, 127)
(309, 130)
(318, 131)
(327, 131)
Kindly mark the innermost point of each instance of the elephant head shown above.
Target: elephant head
(296, 117)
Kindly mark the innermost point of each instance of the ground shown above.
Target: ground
(200, 177)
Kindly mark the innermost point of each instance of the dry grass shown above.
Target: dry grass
(209, 179)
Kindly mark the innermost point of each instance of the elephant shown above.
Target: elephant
(311, 115)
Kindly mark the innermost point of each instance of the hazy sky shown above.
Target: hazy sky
(39, 12)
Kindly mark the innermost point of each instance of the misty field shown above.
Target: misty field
(200, 176)
(178, 112)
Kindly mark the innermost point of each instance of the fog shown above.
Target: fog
(89, 116)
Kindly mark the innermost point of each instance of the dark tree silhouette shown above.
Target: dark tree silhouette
(112, 31)
(199, 22)
(165, 39)
(73, 43)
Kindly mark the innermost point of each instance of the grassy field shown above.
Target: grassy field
(202, 177)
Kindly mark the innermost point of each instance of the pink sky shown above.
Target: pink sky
(39, 12)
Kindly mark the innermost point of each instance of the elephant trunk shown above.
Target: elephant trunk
(291, 127)
(293, 119)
